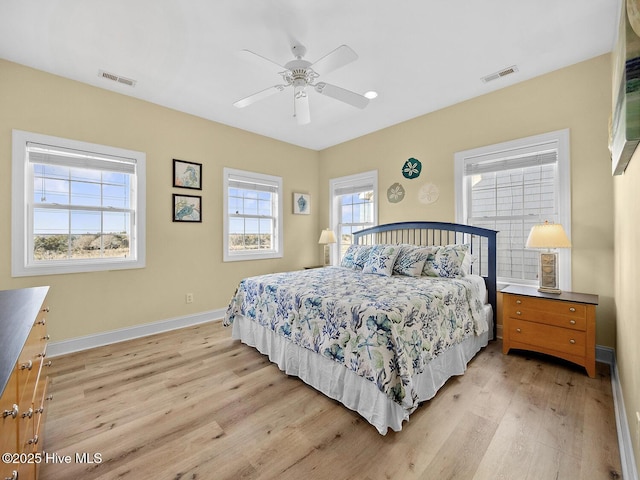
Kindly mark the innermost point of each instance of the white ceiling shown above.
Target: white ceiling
(419, 55)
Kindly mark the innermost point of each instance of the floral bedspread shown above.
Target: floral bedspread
(383, 328)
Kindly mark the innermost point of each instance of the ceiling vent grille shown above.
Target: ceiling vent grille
(502, 73)
(117, 78)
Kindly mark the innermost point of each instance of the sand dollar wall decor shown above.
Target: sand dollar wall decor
(395, 193)
(412, 168)
(428, 193)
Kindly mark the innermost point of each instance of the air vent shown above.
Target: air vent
(502, 73)
(117, 78)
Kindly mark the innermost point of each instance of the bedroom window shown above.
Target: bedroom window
(354, 206)
(512, 186)
(252, 216)
(77, 206)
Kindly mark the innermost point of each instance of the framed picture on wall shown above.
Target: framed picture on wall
(301, 205)
(187, 208)
(187, 174)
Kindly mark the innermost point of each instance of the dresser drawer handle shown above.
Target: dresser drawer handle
(572, 341)
(28, 413)
(27, 366)
(13, 412)
(572, 322)
(518, 302)
(571, 309)
(518, 330)
(42, 322)
(46, 337)
(45, 309)
(518, 312)
(14, 476)
(33, 441)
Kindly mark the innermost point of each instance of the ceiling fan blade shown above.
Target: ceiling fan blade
(342, 94)
(261, 61)
(335, 59)
(267, 92)
(301, 106)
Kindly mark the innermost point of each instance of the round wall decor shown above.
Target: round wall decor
(412, 168)
(395, 193)
(428, 193)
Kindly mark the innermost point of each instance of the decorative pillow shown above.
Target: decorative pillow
(447, 261)
(381, 260)
(362, 256)
(349, 259)
(411, 260)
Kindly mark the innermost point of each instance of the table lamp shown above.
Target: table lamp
(327, 237)
(548, 236)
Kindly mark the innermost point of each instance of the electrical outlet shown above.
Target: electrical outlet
(189, 297)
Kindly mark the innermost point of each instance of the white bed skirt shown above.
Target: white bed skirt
(338, 382)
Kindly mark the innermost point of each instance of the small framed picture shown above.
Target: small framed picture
(301, 205)
(187, 174)
(187, 208)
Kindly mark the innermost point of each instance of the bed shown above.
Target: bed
(409, 306)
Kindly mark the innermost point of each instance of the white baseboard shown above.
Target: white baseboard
(627, 460)
(55, 349)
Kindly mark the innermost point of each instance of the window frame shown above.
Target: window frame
(278, 251)
(560, 139)
(369, 177)
(22, 263)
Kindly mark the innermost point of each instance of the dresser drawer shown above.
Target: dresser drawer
(563, 340)
(555, 313)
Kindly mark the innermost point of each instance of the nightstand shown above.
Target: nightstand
(562, 325)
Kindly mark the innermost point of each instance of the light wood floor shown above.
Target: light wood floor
(193, 404)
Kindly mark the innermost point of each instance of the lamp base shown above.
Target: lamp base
(548, 274)
(555, 291)
(326, 257)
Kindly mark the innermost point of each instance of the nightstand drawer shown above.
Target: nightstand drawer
(554, 313)
(539, 335)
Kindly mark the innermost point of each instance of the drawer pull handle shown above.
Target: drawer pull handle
(28, 413)
(518, 330)
(518, 312)
(46, 337)
(39, 410)
(14, 476)
(27, 366)
(49, 397)
(45, 309)
(42, 322)
(47, 364)
(572, 341)
(571, 309)
(572, 322)
(33, 441)
(13, 412)
(518, 302)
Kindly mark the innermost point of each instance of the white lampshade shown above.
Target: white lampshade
(327, 236)
(548, 235)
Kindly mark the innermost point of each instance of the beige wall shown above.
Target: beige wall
(577, 97)
(181, 257)
(627, 280)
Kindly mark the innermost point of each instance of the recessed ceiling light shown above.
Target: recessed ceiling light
(371, 94)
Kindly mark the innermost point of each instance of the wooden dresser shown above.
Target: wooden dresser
(23, 383)
(562, 325)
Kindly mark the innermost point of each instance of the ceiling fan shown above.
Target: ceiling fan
(300, 74)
